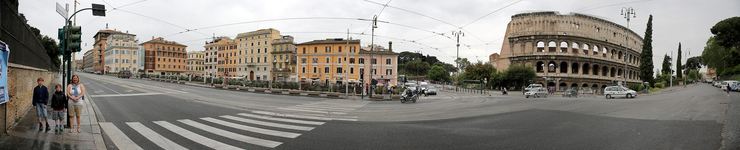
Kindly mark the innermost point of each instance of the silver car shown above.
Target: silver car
(613, 91)
(536, 92)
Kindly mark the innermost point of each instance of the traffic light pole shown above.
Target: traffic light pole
(68, 47)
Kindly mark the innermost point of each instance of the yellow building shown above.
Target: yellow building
(221, 57)
(329, 61)
(253, 53)
(164, 57)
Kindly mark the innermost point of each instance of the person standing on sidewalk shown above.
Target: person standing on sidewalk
(40, 99)
(58, 106)
(76, 94)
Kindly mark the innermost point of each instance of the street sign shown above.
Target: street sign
(63, 10)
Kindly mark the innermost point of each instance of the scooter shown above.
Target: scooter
(413, 97)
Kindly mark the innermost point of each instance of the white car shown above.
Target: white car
(724, 84)
(613, 91)
(536, 92)
(532, 86)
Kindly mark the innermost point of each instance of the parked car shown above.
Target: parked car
(536, 92)
(735, 87)
(572, 92)
(532, 86)
(613, 91)
(124, 74)
(727, 83)
(717, 84)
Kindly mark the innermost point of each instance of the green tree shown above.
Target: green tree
(438, 73)
(462, 62)
(667, 65)
(679, 71)
(416, 67)
(479, 71)
(727, 32)
(693, 63)
(518, 75)
(646, 57)
(51, 46)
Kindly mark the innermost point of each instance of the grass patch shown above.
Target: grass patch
(655, 89)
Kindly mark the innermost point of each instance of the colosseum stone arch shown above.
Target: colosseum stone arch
(571, 50)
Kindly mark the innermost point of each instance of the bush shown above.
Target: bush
(636, 87)
(660, 85)
(234, 82)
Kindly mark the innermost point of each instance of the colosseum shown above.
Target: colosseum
(571, 50)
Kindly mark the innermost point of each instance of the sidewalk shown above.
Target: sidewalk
(25, 134)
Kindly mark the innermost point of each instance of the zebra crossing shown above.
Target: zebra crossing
(256, 129)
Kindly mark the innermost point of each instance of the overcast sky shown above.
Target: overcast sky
(685, 21)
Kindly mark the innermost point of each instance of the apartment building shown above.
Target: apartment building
(121, 53)
(164, 57)
(254, 53)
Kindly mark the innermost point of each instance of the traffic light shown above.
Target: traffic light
(73, 38)
(61, 37)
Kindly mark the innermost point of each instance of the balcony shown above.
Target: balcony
(281, 70)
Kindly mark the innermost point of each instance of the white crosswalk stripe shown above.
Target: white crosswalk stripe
(160, 140)
(264, 123)
(249, 128)
(322, 110)
(117, 137)
(231, 135)
(253, 129)
(194, 137)
(282, 119)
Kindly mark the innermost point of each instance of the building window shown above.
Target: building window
(339, 70)
(303, 60)
(327, 60)
(304, 70)
(388, 72)
(388, 61)
(326, 69)
(362, 60)
(314, 69)
(351, 70)
(373, 61)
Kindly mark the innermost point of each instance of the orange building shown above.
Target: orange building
(164, 57)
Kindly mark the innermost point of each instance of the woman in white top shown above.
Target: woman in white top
(75, 93)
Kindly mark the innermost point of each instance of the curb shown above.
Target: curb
(94, 118)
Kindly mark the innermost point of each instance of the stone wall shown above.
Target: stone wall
(21, 80)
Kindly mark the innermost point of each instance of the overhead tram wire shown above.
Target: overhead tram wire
(363, 34)
(380, 12)
(306, 18)
(494, 11)
(609, 5)
(163, 21)
(114, 9)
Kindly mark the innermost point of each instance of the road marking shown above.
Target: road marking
(282, 119)
(99, 91)
(278, 125)
(324, 107)
(313, 111)
(306, 116)
(117, 137)
(160, 140)
(253, 129)
(114, 91)
(231, 135)
(194, 137)
(120, 95)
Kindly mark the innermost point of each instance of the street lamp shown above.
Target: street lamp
(627, 13)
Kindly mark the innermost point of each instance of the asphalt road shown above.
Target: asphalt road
(155, 115)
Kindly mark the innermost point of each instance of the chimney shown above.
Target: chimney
(390, 46)
(106, 25)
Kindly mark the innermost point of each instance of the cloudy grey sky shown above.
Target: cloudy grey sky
(685, 21)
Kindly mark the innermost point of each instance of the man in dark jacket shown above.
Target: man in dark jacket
(40, 99)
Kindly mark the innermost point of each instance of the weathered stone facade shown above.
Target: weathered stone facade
(573, 50)
(21, 80)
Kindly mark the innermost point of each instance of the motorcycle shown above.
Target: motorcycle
(409, 96)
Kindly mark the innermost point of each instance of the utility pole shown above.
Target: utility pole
(346, 73)
(372, 48)
(670, 77)
(457, 35)
(627, 13)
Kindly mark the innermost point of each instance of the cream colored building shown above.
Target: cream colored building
(254, 53)
(121, 53)
(195, 65)
(283, 59)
